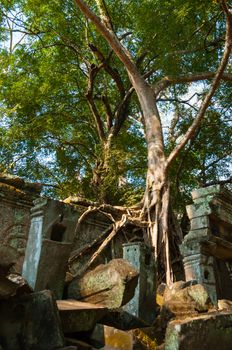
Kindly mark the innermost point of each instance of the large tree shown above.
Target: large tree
(85, 98)
(156, 199)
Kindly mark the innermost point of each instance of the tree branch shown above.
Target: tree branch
(89, 95)
(190, 78)
(110, 37)
(121, 112)
(225, 58)
(111, 71)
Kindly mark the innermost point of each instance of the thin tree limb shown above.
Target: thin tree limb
(116, 227)
(225, 58)
(165, 82)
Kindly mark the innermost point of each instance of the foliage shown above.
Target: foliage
(48, 130)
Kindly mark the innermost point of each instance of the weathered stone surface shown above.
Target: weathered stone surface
(111, 285)
(95, 337)
(7, 288)
(142, 305)
(77, 316)
(207, 248)
(12, 285)
(49, 245)
(8, 259)
(30, 322)
(15, 207)
(205, 332)
(186, 298)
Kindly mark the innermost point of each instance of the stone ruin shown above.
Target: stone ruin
(115, 299)
(207, 248)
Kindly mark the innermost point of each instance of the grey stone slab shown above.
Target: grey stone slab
(30, 322)
(52, 266)
(207, 332)
(200, 222)
(206, 191)
(196, 210)
(77, 316)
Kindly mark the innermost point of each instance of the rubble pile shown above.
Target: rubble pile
(77, 284)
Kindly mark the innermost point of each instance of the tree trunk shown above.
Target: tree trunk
(156, 199)
(101, 171)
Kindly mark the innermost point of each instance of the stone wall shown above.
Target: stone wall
(15, 205)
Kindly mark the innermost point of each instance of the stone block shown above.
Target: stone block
(183, 298)
(200, 222)
(198, 210)
(111, 285)
(206, 332)
(12, 285)
(77, 316)
(206, 191)
(30, 322)
(142, 305)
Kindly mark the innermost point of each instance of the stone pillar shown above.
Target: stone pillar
(49, 245)
(208, 215)
(142, 305)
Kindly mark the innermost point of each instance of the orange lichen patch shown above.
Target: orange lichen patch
(118, 339)
(159, 299)
(145, 339)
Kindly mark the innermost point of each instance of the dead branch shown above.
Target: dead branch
(79, 252)
(116, 227)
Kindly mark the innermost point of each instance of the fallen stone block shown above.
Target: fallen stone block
(186, 298)
(12, 285)
(111, 285)
(7, 288)
(30, 322)
(77, 316)
(205, 332)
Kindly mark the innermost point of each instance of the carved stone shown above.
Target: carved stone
(15, 205)
(207, 248)
(49, 245)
